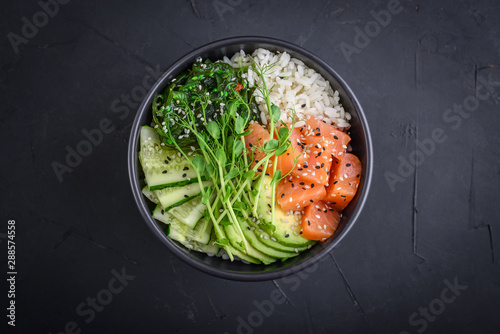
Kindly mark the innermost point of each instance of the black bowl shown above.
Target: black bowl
(361, 147)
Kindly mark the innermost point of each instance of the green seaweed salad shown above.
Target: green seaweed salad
(199, 171)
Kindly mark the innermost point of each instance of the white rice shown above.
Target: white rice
(295, 88)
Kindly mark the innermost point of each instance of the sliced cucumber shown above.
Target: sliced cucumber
(149, 194)
(162, 215)
(175, 196)
(201, 234)
(163, 167)
(180, 236)
(190, 212)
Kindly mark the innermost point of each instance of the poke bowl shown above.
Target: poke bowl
(250, 158)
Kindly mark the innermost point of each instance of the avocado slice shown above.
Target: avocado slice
(257, 244)
(236, 241)
(287, 230)
(221, 234)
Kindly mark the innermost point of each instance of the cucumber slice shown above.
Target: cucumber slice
(175, 196)
(201, 234)
(162, 215)
(287, 230)
(178, 234)
(163, 167)
(149, 194)
(190, 212)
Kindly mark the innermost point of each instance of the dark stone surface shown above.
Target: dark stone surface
(438, 227)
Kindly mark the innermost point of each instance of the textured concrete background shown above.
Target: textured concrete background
(424, 255)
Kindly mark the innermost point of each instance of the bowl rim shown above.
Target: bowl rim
(132, 156)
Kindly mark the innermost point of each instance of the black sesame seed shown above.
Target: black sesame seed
(309, 223)
(186, 196)
(162, 212)
(259, 170)
(293, 185)
(269, 205)
(348, 165)
(250, 144)
(322, 165)
(334, 203)
(300, 232)
(300, 169)
(184, 175)
(282, 195)
(166, 161)
(164, 172)
(357, 175)
(286, 236)
(311, 201)
(319, 154)
(185, 168)
(318, 134)
(335, 137)
(335, 182)
(302, 183)
(312, 185)
(303, 106)
(317, 167)
(319, 210)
